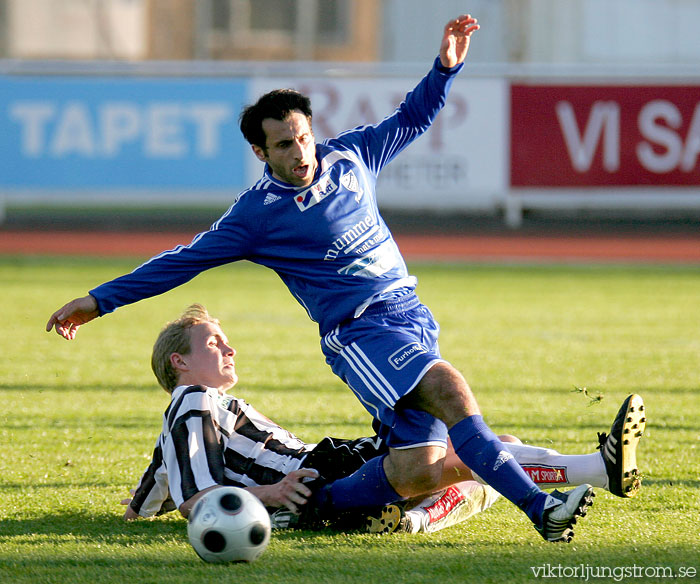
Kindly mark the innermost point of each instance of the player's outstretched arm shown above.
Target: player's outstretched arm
(455, 40)
(69, 317)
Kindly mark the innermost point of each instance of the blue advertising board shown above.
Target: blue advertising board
(93, 133)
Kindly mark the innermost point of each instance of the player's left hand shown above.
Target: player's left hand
(455, 40)
(129, 514)
(68, 319)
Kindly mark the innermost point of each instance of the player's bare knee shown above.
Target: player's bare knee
(444, 393)
(416, 471)
(419, 481)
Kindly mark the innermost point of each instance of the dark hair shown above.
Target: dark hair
(277, 104)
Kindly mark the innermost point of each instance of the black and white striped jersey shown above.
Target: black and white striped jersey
(209, 439)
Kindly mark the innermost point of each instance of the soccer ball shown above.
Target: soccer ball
(229, 524)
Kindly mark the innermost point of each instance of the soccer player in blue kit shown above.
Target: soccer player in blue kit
(313, 219)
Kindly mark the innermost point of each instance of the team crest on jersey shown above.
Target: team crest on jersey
(349, 181)
(315, 193)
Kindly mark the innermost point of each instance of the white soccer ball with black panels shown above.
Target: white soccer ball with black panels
(229, 524)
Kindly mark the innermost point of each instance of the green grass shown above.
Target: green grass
(79, 420)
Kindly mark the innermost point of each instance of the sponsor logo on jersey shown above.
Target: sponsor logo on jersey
(359, 233)
(271, 198)
(399, 359)
(546, 474)
(225, 401)
(315, 193)
(375, 263)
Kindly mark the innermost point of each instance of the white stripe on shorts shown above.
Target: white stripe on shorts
(332, 341)
(370, 375)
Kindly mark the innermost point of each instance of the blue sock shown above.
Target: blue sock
(481, 450)
(366, 487)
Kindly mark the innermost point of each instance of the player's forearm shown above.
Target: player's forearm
(186, 507)
(429, 96)
(268, 494)
(138, 285)
(152, 495)
(412, 118)
(166, 271)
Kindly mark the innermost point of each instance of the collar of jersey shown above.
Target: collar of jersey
(210, 390)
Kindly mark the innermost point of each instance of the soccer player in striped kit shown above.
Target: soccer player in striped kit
(313, 219)
(212, 438)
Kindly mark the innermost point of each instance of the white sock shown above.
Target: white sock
(549, 468)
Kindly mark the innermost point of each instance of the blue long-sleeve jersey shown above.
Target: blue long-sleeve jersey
(327, 241)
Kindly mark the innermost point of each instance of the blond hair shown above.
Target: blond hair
(175, 338)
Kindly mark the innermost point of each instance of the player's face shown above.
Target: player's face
(290, 149)
(210, 360)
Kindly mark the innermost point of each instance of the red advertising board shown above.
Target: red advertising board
(596, 136)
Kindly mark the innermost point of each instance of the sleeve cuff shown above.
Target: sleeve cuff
(447, 70)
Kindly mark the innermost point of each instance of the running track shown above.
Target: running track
(627, 248)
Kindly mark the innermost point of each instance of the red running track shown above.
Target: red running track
(682, 249)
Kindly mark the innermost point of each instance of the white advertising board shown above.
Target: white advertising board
(460, 163)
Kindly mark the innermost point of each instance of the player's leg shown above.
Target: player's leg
(391, 362)
(614, 468)
(448, 507)
(336, 458)
(413, 466)
(362, 502)
(414, 471)
(458, 498)
(546, 467)
(444, 393)
(381, 357)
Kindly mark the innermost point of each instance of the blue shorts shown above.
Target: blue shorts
(381, 356)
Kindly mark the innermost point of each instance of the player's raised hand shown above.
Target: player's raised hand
(68, 318)
(455, 40)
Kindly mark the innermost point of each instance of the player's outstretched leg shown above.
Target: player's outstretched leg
(553, 516)
(453, 505)
(444, 393)
(620, 446)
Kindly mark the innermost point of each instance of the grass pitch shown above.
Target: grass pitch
(79, 421)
